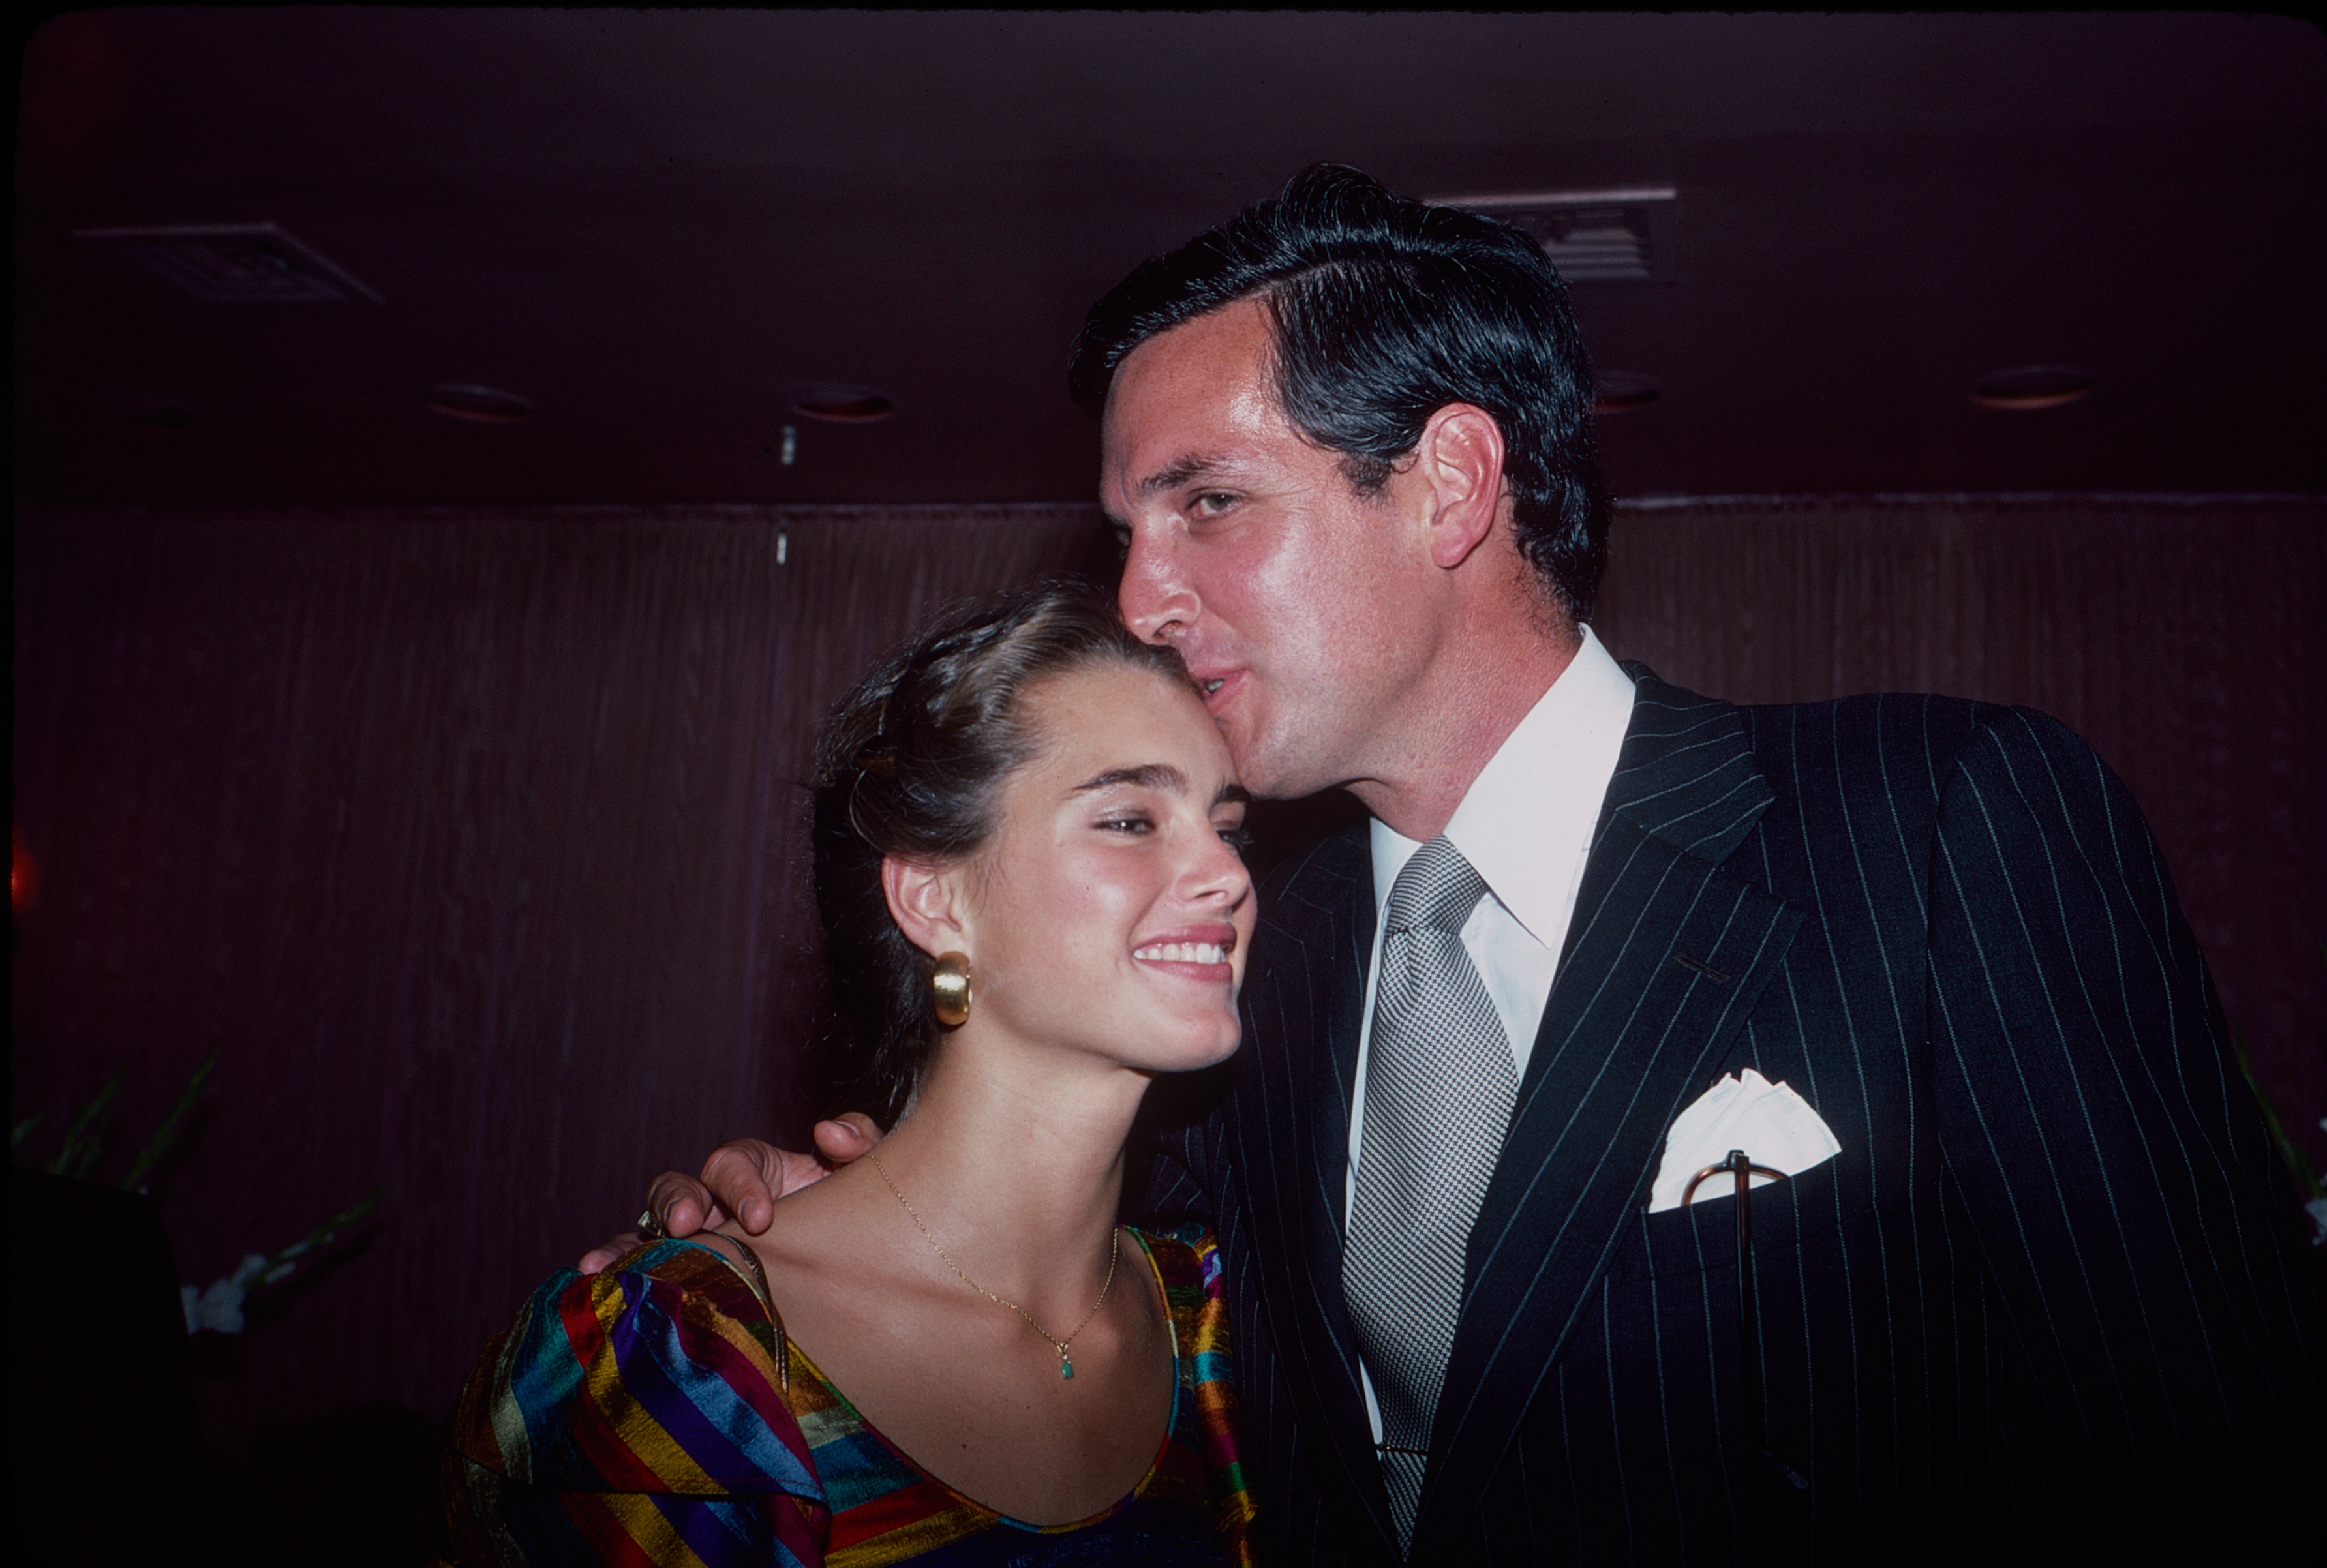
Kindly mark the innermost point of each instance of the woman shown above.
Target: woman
(949, 1352)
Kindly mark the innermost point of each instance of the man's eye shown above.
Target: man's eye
(1212, 503)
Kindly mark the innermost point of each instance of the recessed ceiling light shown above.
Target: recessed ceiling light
(143, 410)
(842, 405)
(1622, 391)
(478, 405)
(2023, 387)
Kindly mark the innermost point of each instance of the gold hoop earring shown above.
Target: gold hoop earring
(950, 987)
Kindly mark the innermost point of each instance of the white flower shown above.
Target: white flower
(218, 1308)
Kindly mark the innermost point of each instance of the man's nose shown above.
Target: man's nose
(1156, 600)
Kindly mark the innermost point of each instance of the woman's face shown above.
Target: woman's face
(1111, 912)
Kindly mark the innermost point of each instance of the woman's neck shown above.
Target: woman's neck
(1015, 1168)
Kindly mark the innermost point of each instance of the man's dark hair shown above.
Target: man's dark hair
(1386, 310)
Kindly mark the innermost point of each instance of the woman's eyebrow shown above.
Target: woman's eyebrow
(1146, 776)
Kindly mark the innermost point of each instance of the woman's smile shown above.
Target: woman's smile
(1200, 953)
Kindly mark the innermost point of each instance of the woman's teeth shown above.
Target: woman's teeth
(1183, 953)
(1211, 686)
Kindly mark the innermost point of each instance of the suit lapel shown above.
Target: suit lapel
(1665, 958)
(1290, 1122)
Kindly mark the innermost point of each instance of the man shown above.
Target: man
(2030, 1277)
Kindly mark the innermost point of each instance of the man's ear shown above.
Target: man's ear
(927, 903)
(1460, 457)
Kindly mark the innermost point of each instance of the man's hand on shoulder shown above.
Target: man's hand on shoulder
(743, 1178)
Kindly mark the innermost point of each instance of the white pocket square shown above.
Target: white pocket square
(1774, 1126)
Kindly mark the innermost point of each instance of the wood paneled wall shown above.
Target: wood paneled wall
(470, 841)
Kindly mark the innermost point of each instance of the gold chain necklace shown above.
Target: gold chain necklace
(1114, 1257)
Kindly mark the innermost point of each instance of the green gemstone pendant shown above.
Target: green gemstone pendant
(1065, 1367)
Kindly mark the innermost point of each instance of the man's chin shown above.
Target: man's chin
(1259, 773)
(1272, 764)
(1272, 778)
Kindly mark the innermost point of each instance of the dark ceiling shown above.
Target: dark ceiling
(655, 225)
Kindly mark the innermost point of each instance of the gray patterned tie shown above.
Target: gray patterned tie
(1440, 1085)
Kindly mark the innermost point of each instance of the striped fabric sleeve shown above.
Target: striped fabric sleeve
(2129, 1200)
(1216, 1399)
(634, 1416)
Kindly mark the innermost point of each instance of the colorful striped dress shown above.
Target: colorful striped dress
(657, 1413)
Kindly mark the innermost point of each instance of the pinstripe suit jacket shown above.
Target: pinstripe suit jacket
(2054, 1276)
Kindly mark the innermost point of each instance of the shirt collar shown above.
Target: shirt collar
(1529, 815)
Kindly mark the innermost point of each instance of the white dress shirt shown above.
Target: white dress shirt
(1526, 827)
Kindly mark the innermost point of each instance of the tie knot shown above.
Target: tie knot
(1435, 890)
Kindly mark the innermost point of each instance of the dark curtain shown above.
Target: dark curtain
(470, 840)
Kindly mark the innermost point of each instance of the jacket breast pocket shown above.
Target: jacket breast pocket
(1704, 1234)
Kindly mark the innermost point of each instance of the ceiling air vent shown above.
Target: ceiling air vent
(235, 263)
(1621, 235)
